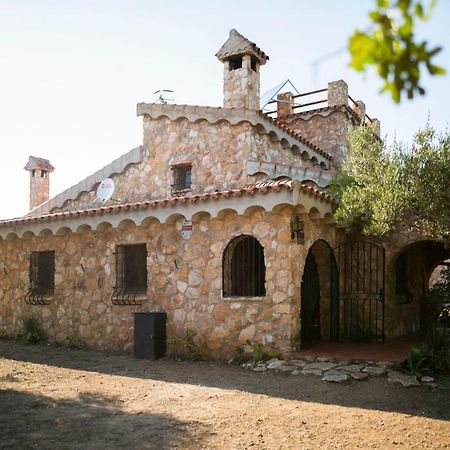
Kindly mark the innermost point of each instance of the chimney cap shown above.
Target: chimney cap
(237, 45)
(39, 163)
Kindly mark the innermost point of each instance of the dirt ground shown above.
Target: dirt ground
(52, 398)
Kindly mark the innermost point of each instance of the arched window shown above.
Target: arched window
(244, 271)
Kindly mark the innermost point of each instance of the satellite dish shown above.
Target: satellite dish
(163, 96)
(105, 190)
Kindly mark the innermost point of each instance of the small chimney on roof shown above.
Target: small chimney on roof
(40, 170)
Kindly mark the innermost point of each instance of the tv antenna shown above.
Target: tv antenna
(163, 96)
(105, 191)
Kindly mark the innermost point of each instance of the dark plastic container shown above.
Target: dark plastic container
(150, 335)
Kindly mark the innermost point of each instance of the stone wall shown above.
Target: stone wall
(328, 131)
(184, 279)
(217, 152)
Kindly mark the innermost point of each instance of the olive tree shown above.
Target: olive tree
(383, 189)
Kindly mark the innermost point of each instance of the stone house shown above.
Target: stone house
(223, 222)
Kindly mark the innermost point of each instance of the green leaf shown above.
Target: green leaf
(436, 70)
(391, 49)
(419, 10)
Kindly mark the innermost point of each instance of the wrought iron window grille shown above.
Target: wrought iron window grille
(41, 278)
(243, 268)
(131, 275)
(182, 179)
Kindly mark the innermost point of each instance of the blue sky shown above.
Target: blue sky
(71, 72)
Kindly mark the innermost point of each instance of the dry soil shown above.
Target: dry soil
(52, 398)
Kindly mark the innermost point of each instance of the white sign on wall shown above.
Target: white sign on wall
(186, 229)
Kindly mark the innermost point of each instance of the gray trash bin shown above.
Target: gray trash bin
(150, 335)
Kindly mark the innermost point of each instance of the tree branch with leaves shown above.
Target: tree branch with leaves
(391, 47)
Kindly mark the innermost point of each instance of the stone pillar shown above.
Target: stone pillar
(285, 104)
(246, 62)
(376, 126)
(360, 110)
(337, 93)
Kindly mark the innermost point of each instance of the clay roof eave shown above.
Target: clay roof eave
(257, 188)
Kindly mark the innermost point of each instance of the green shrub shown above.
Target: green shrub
(186, 347)
(30, 332)
(439, 299)
(257, 352)
(444, 317)
(74, 342)
(3, 334)
(438, 348)
(416, 360)
(434, 355)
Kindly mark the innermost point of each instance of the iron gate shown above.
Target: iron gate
(361, 267)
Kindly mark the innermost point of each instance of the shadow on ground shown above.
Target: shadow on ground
(89, 421)
(375, 394)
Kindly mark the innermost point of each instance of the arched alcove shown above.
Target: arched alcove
(410, 310)
(319, 312)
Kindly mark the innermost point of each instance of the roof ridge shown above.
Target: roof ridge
(117, 165)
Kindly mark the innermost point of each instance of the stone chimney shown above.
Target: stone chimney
(241, 82)
(40, 170)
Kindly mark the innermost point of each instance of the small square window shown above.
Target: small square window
(131, 273)
(182, 178)
(41, 277)
(42, 271)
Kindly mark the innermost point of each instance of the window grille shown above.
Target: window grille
(131, 274)
(41, 278)
(244, 270)
(182, 179)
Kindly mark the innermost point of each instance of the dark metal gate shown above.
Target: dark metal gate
(361, 267)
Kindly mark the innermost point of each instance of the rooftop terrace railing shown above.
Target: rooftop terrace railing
(314, 98)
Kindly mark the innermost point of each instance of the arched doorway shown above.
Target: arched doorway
(410, 311)
(319, 313)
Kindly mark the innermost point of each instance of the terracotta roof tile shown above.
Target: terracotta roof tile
(346, 108)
